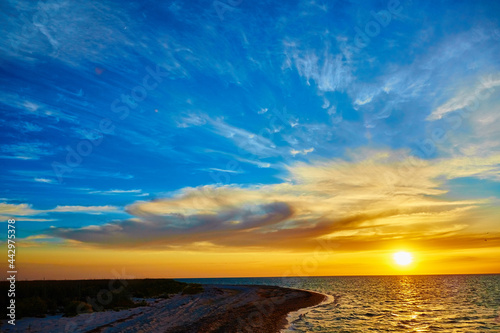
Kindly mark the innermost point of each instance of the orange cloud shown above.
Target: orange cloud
(366, 202)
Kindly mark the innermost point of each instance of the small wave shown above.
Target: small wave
(299, 315)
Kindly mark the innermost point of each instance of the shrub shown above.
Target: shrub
(76, 307)
(192, 288)
(31, 307)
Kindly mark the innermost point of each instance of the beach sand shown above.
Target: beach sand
(218, 309)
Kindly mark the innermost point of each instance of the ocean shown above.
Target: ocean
(414, 303)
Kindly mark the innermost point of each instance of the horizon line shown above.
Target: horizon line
(261, 277)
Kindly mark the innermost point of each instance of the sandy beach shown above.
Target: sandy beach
(218, 309)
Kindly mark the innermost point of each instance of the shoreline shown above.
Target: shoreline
(269, 313)
(219, 308)
(293, 316)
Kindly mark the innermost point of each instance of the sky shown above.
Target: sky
(250, 138)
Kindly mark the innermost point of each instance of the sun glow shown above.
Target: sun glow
(403, 258)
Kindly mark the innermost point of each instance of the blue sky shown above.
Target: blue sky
(110, 108)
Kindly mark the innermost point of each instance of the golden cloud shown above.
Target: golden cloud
(363, 202)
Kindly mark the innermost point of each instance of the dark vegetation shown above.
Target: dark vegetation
(72, 297)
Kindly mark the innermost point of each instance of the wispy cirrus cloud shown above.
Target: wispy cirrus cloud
(192, 119)
(136, 192)
(26, 151)
(468, 97)
(24, 210)
(246, 140)
(76, 173)
(330, 72)
(33, 109)
(239, 171)
(303, 152)
(255, 161)
(44, 180)
(84, 209)
(27, 127)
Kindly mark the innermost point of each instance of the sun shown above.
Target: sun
(403, 258)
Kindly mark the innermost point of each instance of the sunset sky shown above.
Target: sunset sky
(243, 138)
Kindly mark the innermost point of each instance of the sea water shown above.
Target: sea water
(416, 303)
